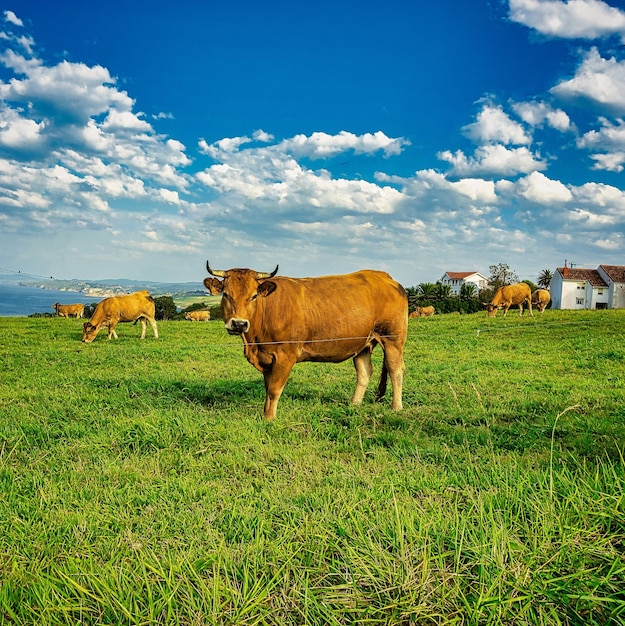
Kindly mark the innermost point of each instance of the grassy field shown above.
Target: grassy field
(140, 484)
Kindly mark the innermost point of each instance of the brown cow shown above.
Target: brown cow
(422, 311)
(69, 310)
(198, 316)
(541, 298)
(284, 321)
(506, 296)
(138, 306)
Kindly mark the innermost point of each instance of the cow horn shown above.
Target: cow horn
(266, 274)
(219, 273)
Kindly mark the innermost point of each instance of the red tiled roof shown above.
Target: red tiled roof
(615, 272)
(583, 275)
(459, 275)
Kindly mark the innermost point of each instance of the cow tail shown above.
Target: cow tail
(382, 384)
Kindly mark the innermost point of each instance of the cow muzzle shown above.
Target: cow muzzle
(236, 326)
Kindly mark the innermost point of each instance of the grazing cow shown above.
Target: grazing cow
(422, 311)
(506, 296)
(541, 298)
(198, 316)
(283, 321)
(69, 310)
(138, 306)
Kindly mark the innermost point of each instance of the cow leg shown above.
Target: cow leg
(154, 328)
(112, 332)
(275, 380)
(394, 364)
(144, 327)
(362, 363)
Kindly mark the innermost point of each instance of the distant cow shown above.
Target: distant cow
(69, 310)
(198, 316)
(506, 296)
(422, 311)
(426, 311)
(541, 298)
(138, 306)
(283, 321)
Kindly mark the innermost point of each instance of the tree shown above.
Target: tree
(427, 291)
(443, 292)
(501, 275)
(165, 308)
(544, 278)
(468, 291)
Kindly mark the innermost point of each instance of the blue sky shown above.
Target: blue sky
(139, 139)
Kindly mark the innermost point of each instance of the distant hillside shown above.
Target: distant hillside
(106, 287)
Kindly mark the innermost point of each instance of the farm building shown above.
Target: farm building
(457, 279)
(579, 288)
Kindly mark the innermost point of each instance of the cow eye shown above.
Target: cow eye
(254, 297)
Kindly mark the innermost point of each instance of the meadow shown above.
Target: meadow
(140, 484)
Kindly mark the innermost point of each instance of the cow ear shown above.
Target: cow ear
(214, 286)
(266, 288)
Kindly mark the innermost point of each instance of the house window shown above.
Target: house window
(579, 301)
(599, 292)
(581, 285)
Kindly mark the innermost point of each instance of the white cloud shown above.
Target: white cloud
(493, 125)
(611, 135)
(601, 197)
(586, 19)
(322, 145)
(613, 243)
(540, 113)
(19, 133)
(538, 188)
(598, 81)
(611, 162)
(69, 92)
(10, 17)
(493, 160)
(592, 220)
(610, 138)
(125, 120)
(432, 187)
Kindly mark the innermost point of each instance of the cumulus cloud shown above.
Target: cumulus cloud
(493, 160)
(538, 188)
(610, 139)
(323, 145)
(585, 19)
(599, 82)
(493, 125)
(540, 113)
(271, 176)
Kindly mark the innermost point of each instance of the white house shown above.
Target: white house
(457, 279)
(579, 288)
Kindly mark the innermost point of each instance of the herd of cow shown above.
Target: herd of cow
(283, 321)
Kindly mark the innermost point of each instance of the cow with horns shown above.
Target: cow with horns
(283, 321)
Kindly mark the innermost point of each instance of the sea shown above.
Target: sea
(18, 300)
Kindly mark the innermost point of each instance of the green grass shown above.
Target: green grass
(140, 484)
